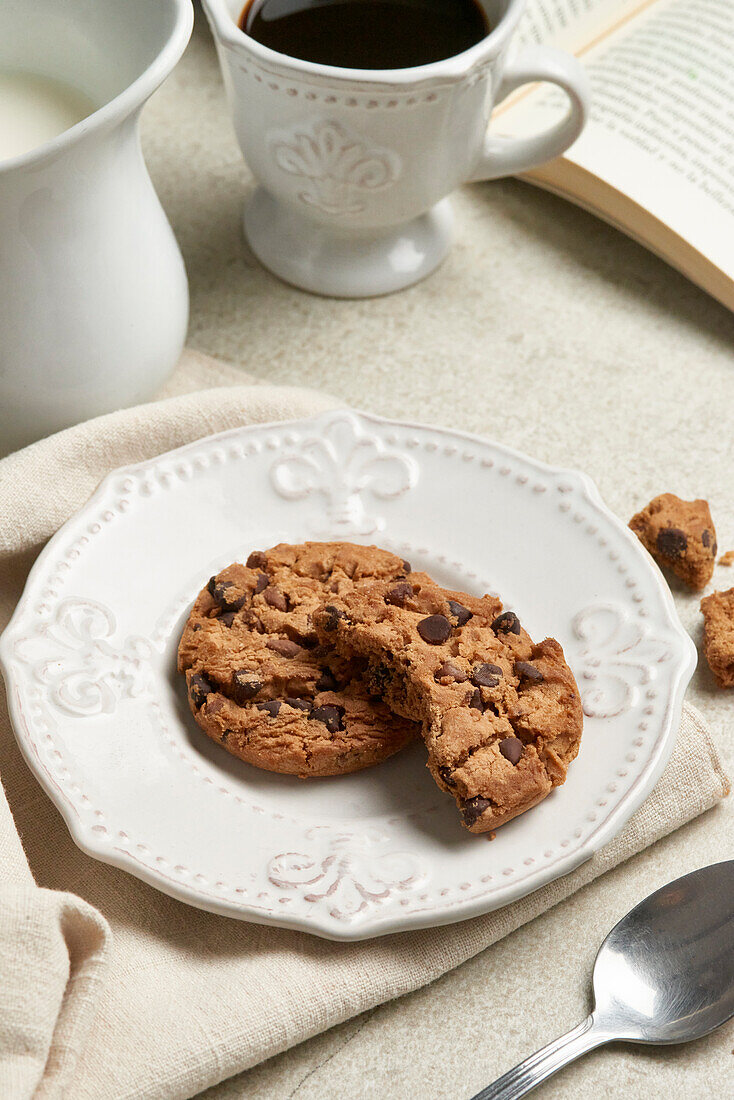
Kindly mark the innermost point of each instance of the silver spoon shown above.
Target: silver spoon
(664, 974)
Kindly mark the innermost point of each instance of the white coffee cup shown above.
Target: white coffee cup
(93, 291)
(354, 165)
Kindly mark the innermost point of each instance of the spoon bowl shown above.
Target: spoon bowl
(664, 974)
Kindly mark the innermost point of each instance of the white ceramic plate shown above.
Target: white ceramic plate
(102, 719)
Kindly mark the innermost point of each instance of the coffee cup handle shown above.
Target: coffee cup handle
(505, 156)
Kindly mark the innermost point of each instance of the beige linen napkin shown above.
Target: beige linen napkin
(110, 989)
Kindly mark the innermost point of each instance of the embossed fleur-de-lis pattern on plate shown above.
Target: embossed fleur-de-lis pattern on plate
(75, 657)
(358, 874)
(351, 469)
(339, 168)
(619, 657)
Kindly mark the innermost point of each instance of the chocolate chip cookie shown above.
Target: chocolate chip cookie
(679, 534)
(718, 635)
(260, 683)
(501, 716)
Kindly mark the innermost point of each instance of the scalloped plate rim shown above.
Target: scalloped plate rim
(686, 658)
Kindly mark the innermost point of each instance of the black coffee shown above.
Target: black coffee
(366, 34)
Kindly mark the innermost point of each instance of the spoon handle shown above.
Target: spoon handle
(525, 1076)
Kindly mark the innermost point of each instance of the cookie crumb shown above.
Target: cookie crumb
(680, 535)
(718, 635)
(727, 558)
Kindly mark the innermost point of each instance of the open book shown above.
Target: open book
(657, 157)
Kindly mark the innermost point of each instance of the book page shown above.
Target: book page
(572, 24)
(662, 120)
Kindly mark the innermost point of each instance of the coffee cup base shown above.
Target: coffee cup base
(342, 264)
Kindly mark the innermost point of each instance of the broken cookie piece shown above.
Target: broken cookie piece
(718, 635)
(680, 535)
(501, 716)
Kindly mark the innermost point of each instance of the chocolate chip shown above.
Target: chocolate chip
(227, 618)
(435, 630)
(327, 681)
(475, 701)
(257, 560)
(511, 749)
(277, 599)
(210, 585)
(225, 594)
(506, 623)
(447, 776)
(300, 704)
(262, 582)
(473, 809)
(199, 688)
(379, 678)
(271, 707)
(245, 685)
(461, 614)
(330, 715)
(230, 601)
(284, 646)
(449, 671)
(487, 676)
(525, 671)
(330, 618)
(399, 593)
(407, 567)
(225, 735)
(196, 626)
(671, 542)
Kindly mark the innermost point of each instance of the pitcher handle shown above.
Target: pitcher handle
(505, 156)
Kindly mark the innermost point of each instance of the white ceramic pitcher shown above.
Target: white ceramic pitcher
(93, 291)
